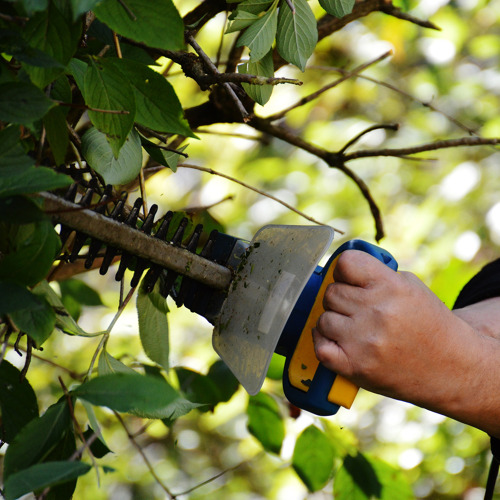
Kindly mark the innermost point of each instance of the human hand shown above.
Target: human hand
(387, 332)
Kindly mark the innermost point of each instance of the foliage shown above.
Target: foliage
(112, 92)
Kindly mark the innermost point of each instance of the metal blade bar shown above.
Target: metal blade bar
(135, 242)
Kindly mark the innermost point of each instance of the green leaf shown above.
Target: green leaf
(363, 477)
(56, 36)
(75, 293)
(157, 24)
(264, 67)
(153, 325)
(157, 105)
(337, 8)
(79, 7)
(29, 251)
(265, 421)
(40, 476)
(64, 450)
(226, 383)
(77, 69)
(15, 297)
(297, 33)
(106, 89)
(98, 447)
(99, 155)
(64, 321)
(22, 102)
(37, 321)
(57, 133)
(313, 458)
(259, 36)
(12, 154)
(197, 387)
(37, 439)
(241, 20)
(61, 91)
(107, 365)
(19, 210)
(14, 180)
(168, 159)
(12, 43)
(144, 396)
(18, 404)
(31, 6)
(276, 367)
(254, 6)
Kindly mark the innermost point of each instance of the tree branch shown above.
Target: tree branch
(433, 146)
(334, 160)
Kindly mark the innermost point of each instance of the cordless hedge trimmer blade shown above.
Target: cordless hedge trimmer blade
(262, 296)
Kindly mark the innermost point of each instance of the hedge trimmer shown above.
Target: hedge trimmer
(262, 296)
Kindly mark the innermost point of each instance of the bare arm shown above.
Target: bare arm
(484, 317)
(390, 334)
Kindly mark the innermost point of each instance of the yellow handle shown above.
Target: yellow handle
(303, 364)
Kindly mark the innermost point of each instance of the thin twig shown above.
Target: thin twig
(208, 481)
(98, 110)
(6, 333)
(388, 126)
(117, 45)
(252, 188)
(132, 16)
(210, 66)
(106, 334)
(27, 362)
(315, 95)
(389, 86)
(142, 188)
(150, 467)
(71, 373)
(432, 146)
(77, 426)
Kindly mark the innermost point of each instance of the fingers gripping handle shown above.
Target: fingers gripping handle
(307, 383)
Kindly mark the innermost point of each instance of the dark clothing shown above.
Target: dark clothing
(484, 285)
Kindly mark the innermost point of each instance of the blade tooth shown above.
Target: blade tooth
(198, 292)
(70, 195)
(125, 261)
(71, 192)
(154, 272)
(167, 283)
(78, 243)
(95, 244)
(149, 221)
(140, 267)
(107, 259)
(187, 283)
(179, 233)
(167, 280)
(142, 264)
(126, 258)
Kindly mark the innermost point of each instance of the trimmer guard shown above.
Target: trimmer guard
(272, 274)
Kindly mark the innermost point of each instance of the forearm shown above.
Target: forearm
(472, 392)
(480, 405)
(484, 317)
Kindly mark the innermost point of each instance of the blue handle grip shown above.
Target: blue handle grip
(314, 397)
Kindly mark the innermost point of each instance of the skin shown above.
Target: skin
(388, 333)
